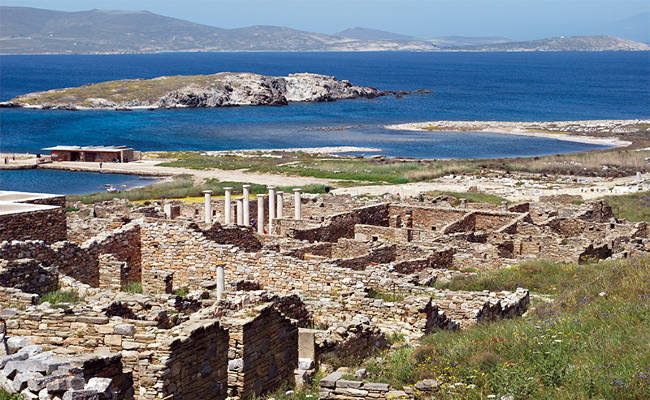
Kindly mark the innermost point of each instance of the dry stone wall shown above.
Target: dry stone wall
(47, 225)
(263, 351)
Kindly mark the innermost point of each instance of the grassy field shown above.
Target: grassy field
(143, 90)
(183, 187)
(591, 342)
(612, 163)
(633, 207)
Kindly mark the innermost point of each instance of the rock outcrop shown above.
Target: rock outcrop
(217, 90)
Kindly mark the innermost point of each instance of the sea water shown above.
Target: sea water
(466, 86)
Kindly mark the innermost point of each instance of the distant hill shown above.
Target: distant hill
(460, 41)
(36, 31)
(575, 43)
(26, 30)
(372, 34)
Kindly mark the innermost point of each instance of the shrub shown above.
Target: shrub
(133, 287)
(60, 296)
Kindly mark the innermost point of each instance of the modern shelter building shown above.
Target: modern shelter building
(92, 153)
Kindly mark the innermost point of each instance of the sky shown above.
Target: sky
(515, 19)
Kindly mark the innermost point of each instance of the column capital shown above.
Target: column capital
(297, 190)
(246, 186)
(227, 188)
(261, 196)
(207, 191)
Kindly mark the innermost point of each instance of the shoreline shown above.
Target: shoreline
(573, 131)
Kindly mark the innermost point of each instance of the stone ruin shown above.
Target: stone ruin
(239, 299)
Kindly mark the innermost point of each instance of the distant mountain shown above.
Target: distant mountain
(36, 31)
(575, 43)
(372, 34)
(460, 41)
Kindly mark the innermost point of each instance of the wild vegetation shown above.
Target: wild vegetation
(632, 207)
(613, 163)
(590, 341)
(60, 296)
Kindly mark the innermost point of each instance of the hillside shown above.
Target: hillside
(575, 43)
(37, 31)
(217, 90)
(372, 34)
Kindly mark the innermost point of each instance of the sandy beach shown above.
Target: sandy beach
(575, 131)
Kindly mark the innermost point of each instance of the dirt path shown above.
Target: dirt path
(148, 167)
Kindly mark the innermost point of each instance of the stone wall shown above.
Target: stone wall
(81, 261)
(342, 225)
(48, 225)
(28, 275)
(263, 351)
(16, 298)
(425, 218)
(189, 362)
(162, 361)
(113, 274)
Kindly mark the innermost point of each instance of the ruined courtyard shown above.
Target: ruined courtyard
(244, 294)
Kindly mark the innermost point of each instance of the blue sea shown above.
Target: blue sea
(67, 182)
(466, 86)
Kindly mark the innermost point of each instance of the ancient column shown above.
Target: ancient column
(247, 215)
(280, 204)
(240, 212)
(297, 205)
(227, 220)
(260, 214)
(271, 207)
(221, 282)
(463, 203)
(208, 206)
(504, 204)
(639, 178)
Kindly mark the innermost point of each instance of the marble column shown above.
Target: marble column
(260, 214)
(227, 219)
(221, 282)
(271, 207)
(280, 205)
(208, 206)
(298, 204)
(247, 214)
(240, 212)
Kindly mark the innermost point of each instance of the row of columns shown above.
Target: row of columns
(276, 204)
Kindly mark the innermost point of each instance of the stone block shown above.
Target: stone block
(124, 329)
(81, 395)
(103, 386)
(330, 380)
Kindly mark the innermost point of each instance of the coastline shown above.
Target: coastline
(574, 131)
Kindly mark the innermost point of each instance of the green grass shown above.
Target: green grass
(60, 296)
(182, 186)
(632, 207)
(307, 392)
(472, 197)
(4, 395)
(133, 287)
(591, 342)
(181, 292)
(391, 297)
(538, 276)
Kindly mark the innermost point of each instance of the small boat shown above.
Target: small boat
(110, 188)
